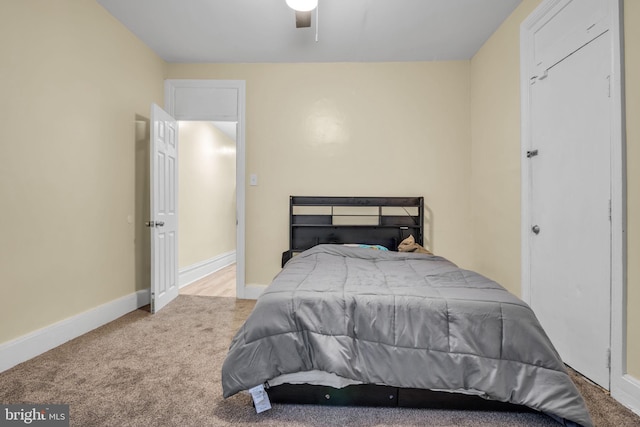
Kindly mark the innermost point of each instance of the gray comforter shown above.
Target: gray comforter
(403, 320)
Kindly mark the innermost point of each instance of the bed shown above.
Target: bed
(345, 322)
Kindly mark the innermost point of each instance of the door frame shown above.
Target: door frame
(200, 113)
(623, 387)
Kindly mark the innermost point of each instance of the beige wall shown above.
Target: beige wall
(495, 157)
(632, 72)
(351, 129)
(495, 151)
(73, 80)
(207, 193)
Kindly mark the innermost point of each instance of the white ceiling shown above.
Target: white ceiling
(231, 31)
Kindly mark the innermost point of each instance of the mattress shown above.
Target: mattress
(403, 320)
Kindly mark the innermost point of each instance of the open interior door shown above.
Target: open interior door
(164, 219)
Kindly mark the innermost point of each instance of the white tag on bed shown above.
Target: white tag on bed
(260, 398)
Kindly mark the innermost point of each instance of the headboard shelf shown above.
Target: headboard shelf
(382, 221)
(338, 226)
(355, 201)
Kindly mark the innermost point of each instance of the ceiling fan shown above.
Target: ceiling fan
(303, 9)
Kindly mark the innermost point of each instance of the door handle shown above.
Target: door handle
(535, 229)
(152, 224)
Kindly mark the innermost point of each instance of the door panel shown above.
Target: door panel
(164, 220)
(206, 103)
(576, 24)
(570, 203)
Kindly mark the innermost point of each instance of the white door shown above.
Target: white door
(570, 238)
(164, 218)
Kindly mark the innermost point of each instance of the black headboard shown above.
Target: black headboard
(382, 221)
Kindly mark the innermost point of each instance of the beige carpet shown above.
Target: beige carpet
(164, 370)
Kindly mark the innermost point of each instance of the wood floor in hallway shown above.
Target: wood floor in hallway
(222, 283)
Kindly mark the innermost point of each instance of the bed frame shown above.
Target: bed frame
(382, 221)
(385, 396)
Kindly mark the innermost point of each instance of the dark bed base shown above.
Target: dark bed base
(385, 396)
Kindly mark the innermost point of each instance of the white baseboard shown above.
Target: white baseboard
(190, 274)
(626, 390)
(35, 343)
(253, 291)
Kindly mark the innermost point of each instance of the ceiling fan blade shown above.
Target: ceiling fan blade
(303, 19)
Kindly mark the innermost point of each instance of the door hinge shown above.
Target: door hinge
(608, 358)
(608, 86)
(609, 209)
(532, 153)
